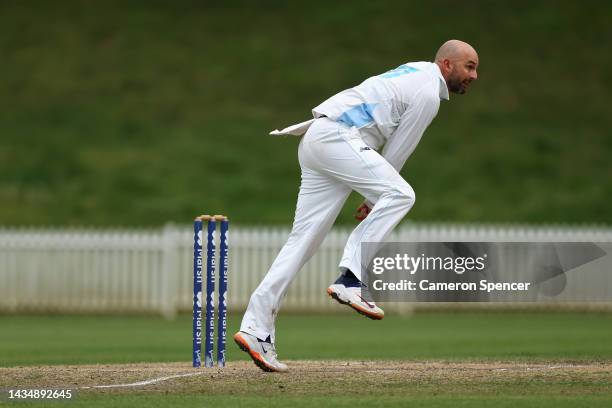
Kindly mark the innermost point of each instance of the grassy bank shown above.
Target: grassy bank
(137, 113)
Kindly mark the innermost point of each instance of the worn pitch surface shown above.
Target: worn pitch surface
(317, 377)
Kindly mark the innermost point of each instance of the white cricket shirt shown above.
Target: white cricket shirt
(392, 109)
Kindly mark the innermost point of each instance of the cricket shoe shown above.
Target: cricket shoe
(348, 290)
(263, 353)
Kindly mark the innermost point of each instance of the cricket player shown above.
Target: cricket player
(358, 140)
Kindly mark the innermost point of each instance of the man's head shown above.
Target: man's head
(458, 62)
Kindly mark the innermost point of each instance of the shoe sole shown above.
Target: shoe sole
(255, 356)
(355, 307)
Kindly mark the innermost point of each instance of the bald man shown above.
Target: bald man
(358, 140)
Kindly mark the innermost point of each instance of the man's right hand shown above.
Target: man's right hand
(362, 211)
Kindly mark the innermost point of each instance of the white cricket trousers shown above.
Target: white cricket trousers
(334, 160)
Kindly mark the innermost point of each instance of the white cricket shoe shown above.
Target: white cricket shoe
(347, 290)
(263, 353)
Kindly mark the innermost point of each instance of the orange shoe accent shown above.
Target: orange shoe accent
(257, 358)
(366, 312)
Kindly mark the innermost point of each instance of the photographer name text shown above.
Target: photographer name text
(426, 285)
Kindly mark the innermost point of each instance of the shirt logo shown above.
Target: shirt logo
(361, 149)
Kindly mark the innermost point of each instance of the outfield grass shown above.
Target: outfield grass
(31, 340)
(348, 401)
(141, 112)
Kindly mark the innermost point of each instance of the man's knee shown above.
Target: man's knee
(403, 196)
(408, 196)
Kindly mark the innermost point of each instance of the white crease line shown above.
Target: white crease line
(538, 368)
(146, 382)
(567, 366)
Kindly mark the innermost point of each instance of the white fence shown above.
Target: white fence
(150, 270)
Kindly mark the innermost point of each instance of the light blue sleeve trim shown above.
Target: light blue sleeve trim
(399, 71)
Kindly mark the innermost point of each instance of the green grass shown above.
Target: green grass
(431, 401)
(141, 112)
(31, 340)
(574, 338)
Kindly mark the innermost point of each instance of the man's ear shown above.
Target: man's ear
(447, 64)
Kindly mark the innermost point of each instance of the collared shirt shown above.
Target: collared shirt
(392, 109)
